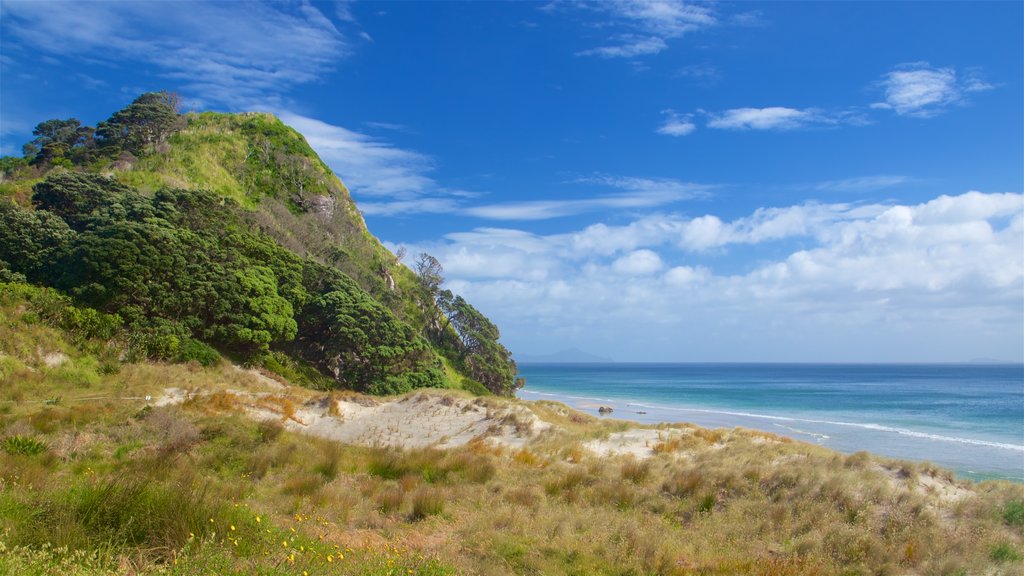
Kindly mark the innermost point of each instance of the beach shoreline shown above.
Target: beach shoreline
(844, 437)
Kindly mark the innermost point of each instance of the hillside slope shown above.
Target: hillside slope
(227, 230)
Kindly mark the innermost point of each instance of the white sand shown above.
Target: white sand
(414, 421)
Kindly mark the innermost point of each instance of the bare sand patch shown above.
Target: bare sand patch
(639, 442)
(416, 421)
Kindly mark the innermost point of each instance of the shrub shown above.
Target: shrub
(24, 445)
(190, 349)
(1004, 552)
(1013, 513)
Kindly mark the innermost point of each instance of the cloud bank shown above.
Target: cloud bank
(937, 281)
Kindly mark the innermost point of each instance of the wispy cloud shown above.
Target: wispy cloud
(232, 53)
(644, 27)
(370, 166)
(772, 118)
(548, 209)
(405, 207)
(703, 75)
(921, 90)
(637, 193)
(861, 183)
(392, 181)
(676, 124)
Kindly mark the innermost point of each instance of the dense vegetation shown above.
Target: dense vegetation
(223, 232)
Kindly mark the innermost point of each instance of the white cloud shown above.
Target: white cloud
(937, 281)
(918, 89)
(771, 118)
(638, 263)
(629, 46)
(239, 54)
(369, 166)
(676, 124)
(649, 24)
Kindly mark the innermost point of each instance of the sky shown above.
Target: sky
(645, 181)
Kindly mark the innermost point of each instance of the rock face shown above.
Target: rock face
(320, 205)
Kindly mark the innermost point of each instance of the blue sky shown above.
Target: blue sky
(648, 181)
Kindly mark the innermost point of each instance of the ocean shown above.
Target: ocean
(967, 418)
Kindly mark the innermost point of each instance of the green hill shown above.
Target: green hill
(211, 233)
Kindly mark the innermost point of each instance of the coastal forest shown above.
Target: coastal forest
(208, 234)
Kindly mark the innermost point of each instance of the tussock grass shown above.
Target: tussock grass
(427, 501)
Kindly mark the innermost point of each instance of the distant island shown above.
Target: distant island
(568, 356)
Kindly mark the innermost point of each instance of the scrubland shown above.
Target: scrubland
(104, 471)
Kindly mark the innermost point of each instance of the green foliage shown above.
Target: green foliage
(59, 311)
(135, 129)
(457, 324)
(10, 165)
(484, 358)
(59, 142)
(1013, 513)
(29, 240)
(80, 199)
(192, 350)
(362, 344)
(24, 445)
(254, 313)
(1004, 552)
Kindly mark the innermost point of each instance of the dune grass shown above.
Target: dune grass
(96, 480)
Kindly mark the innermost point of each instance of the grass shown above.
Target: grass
(121, 488)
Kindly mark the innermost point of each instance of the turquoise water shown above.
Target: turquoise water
(968, 418)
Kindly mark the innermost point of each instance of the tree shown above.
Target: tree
(147, 121)
(362, 344)
(29, 240)
(78, 197)
(430, 274)
(486, 360)
(58, 139)
(251, 313)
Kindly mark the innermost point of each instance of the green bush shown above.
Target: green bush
(24, 445)
(1013, 513)
(190, 349)
(1004, 552)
